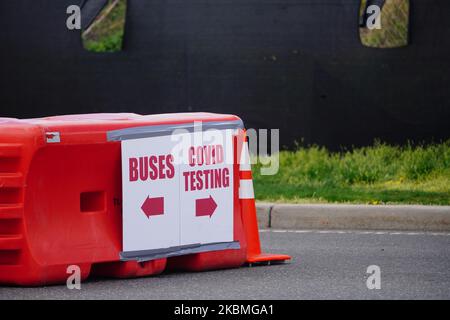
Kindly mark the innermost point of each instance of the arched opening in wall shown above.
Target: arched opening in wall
(384, 23)
(104, 27)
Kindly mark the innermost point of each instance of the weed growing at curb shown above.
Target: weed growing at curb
(372, 175)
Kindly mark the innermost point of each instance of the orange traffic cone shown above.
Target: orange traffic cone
(248, 207)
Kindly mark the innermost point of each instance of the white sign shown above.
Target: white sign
(177, 190)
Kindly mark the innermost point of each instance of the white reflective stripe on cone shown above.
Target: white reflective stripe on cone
(245, 158)
(246, 189)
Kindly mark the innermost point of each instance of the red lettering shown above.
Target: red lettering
(171, 170)
(162, 174)
(218, 178)
(186, 180)
(206, 173)
(133, 163)
(226, 177)
(191, 156)
(199, 185)
(207, 151)
(205, 155)
(213, 156)
(206, 179)
(143, 168)
(191, 175)
(153, 169)
(219, 154)
(199, 156)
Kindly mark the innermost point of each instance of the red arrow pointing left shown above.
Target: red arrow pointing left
(153, 206)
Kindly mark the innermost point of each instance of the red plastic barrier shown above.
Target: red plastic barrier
(61, 195)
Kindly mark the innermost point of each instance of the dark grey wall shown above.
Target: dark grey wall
(297, 65)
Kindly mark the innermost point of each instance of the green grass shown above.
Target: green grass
(380, 174)
(107, 31)
(394, 26)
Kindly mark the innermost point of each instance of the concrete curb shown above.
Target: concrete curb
(353, 217)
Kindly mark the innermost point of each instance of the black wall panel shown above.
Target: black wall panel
(297, 65)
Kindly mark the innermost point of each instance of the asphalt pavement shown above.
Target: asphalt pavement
(326, 265)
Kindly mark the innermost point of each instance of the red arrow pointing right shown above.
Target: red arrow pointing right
(153, 206)
(205, 207)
